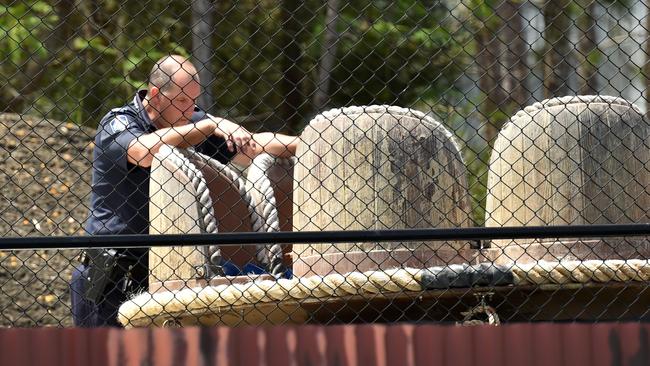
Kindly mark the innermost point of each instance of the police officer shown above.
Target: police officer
(126, 140)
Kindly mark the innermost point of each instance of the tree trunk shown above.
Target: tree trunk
(514, 64)
(327, 55)
(490, 74)
(588, 52)
(202, 25)
(63, 31)
(291, 75)
(558, 47)
(91, 104)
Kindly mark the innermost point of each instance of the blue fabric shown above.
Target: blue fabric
(230, 269)
(86, 313)
(119, 198)
(251, 268)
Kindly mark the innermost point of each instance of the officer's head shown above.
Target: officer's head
(173, 89)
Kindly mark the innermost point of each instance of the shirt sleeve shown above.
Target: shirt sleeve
(114, 134)
(198, 115)
(214, 146)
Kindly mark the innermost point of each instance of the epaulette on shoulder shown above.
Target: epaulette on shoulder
(120, 111)
(124, 110)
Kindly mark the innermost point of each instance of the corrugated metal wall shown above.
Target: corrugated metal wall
(518, 344)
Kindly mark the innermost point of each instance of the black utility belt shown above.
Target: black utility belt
(107, 266)
(103, 256)
(84, 258)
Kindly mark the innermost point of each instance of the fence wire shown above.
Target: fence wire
(201, 117)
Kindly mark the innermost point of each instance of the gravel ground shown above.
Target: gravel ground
(45, 187)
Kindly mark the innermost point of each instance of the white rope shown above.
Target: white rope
(144, 308)
(259, 180)
(394, 111)
(612, 270)
(266, 221)
(239, 183)
(207, 222)
(181, 158)
(535, 108)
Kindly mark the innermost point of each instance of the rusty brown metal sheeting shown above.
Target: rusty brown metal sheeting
(347, 345)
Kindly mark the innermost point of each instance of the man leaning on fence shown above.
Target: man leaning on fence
(127, 139)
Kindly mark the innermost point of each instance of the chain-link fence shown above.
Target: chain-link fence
(320, 118)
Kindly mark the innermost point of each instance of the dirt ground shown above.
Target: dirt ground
(45, 191)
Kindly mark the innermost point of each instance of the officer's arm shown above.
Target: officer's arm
(275, 144)
(142, 149)
(236, 136)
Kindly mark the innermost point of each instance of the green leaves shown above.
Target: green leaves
(95, 44)
(22, 28)
(403, 52)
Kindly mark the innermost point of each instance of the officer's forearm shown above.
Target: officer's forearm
(142, 149)
(271, 143)
(276, 144)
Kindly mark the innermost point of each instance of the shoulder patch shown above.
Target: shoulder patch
(118, 124)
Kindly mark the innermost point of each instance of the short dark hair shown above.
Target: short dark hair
(162, 73)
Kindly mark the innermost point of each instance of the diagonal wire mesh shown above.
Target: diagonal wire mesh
(202, 117)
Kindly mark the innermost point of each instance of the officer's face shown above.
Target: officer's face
(176, 104)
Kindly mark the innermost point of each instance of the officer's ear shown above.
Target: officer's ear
(154, 97)
(154, 92)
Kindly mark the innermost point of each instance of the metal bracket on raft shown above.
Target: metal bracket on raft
(481, 313)
(208, 270)
(172, 323)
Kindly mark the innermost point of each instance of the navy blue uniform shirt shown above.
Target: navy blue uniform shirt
(120, 190)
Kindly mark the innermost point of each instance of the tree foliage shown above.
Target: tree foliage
(403, 52)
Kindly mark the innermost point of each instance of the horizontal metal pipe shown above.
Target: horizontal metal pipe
(244, 238)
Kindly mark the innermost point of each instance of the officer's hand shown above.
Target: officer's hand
(235, 135)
